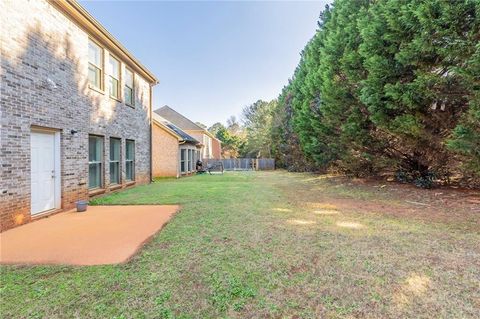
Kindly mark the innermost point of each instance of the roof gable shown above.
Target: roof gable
(177, 119)
(173, 129)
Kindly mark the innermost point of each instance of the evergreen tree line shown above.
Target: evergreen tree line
(385, 86)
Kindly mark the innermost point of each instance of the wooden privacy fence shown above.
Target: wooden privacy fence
(265, 164)
(243, 164)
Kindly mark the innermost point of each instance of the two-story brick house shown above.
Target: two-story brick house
(210, 146)
(75, 110)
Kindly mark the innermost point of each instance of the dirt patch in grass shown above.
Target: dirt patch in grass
(456, 207)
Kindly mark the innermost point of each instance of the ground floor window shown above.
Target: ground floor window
(189, 160)
(183, 160)
(115, 160)
(130, 160)
(95, 161)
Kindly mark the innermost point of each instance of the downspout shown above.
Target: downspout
(151, 133)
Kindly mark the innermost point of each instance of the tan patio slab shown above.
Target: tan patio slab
(101, 235)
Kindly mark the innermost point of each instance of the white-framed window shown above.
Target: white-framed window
(95, 162)
(190, 160)
(183, 157)
(130, 160)
(194, 160)
(95, 65)
(128, 89)
(113, 77)
(115, 146)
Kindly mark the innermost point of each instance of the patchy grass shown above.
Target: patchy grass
(275, 245)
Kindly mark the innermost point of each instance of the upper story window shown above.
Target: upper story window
(95, 65)
(129, 93)
(114, 77)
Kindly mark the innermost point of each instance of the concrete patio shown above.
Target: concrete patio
(101, 235)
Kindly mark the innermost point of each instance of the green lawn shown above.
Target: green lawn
(274, 245)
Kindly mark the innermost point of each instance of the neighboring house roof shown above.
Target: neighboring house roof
(181, 121)
(73, 10)
(173, 129)
(177, 119)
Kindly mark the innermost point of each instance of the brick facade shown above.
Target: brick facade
(165, 153)
(216, 149)
(210, 147)
(44, 65)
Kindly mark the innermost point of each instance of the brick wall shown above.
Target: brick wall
(216, 149)
(44, 61)
(165, 153)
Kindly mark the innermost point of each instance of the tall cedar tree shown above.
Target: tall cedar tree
(418, 57)
(286, 147)
(391, 83)
(345, 126)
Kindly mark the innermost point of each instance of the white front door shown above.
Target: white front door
(43, 173)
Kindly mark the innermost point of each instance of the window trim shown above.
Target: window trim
(119, 161)
(190, 160)
(194, 161)
(127, 69)
(183, 161)
(119, 80)
(101, 162)
(131, 160)
(102, 68)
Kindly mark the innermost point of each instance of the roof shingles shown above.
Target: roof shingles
(176, 118)
(174, 129)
